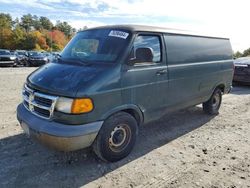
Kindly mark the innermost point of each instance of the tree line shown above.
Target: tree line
(244, 54)
(33, 33)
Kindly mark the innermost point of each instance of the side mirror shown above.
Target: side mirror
(131, 61)
(142, 55)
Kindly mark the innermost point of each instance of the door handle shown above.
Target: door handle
(161, 72)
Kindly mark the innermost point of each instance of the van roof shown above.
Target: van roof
(137, 28)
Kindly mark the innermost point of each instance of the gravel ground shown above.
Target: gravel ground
(183, 149)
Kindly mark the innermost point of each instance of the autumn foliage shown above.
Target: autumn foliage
(58, 38)
(33, 33)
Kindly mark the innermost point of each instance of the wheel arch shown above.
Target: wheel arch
(221, 86)
(131, 109)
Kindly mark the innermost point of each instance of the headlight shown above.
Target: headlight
(64, 104)
(45, 59)
(12, 58)
(74, 106)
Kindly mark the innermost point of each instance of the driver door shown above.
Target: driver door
(145, 80)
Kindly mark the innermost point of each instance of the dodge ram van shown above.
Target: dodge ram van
(110, 80)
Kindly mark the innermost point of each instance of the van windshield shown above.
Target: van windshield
(97, 45)
(4, 52)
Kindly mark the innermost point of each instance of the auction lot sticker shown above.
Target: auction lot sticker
(119, 34)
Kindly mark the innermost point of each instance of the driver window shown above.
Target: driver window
(146, 50)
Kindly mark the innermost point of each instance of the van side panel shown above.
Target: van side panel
(196, 66)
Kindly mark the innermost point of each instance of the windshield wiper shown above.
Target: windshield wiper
(78, 61)
(82, 61)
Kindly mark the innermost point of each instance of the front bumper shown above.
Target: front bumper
(7, 63)
(37, 62)
(22, 61)
(57, 135)
(242, 78)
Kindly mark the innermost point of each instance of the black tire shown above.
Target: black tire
(212, 106)
(118, 127)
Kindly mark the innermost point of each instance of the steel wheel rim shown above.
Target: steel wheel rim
(119, 137)
(216, 100)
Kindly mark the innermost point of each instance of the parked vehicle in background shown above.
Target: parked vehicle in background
(55, 55)
(110, 80)
(12, 52)
(49, 56)
(7, 59)
(242, 70)
(22, 57)
(36, 59)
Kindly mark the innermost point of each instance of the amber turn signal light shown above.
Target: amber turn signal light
(82, 106)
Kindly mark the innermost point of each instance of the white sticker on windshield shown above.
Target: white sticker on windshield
(120, 34)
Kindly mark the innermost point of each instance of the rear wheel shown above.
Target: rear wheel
(116, 138)
(212, 106)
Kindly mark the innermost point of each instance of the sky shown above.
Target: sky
(226, 18)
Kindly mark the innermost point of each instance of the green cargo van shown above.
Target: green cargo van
(110, 80)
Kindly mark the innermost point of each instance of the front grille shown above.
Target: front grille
(5, 59)
(26, 93)
(242, 70)
(42, 112)
(39, 103)
(43, 101)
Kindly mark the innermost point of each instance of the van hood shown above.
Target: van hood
(64, 79)
(242, 61)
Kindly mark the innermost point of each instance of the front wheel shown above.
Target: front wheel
(212, 106)
(116, 138)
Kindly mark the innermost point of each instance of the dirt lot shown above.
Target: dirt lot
(185, 149)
